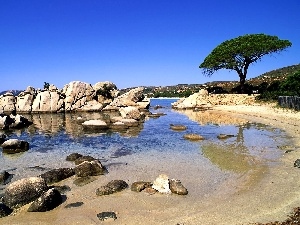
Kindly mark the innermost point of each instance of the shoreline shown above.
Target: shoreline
(272, 195)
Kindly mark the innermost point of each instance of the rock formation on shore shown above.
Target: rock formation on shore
(75, 96)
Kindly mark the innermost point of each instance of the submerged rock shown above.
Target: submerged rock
(95, 125)
(176, 187)
(81, 181)
(23, 191)
(47, 201)
(193, 137)
(83, 159)
(177, 127)
(74, 205)
(4, 176)
(297, 163)
(140, 186)
(13, 146)
(225, 136)
(112, 187)
(57, 175)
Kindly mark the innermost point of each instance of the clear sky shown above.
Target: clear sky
(133, 42)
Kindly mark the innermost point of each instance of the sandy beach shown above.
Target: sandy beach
(260, 195)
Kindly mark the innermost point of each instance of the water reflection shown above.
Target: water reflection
(51, 124)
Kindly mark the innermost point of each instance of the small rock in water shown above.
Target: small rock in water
(140, 185)
(225, 136)
(73, 156)
(177, 127)
(81, 181)
(107, 216)
(161, 184)
(112, 187)
(4, 210)
(193, 137)
(74, 204)
(177, 187)
(297, 163)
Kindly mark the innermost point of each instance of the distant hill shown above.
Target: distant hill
(14, 92)
(284, 71)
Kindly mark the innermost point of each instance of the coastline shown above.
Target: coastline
(271, 196)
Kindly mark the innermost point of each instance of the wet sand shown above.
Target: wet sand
(260, 194)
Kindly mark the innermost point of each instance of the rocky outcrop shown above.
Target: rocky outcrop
(47, 201)
(13, 122)
(12, 146)
(23, 191)
(75, 96)
(204, 100)
(7, 103)
(133, 97)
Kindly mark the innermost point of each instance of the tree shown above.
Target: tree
(46, 85)
(238, 53)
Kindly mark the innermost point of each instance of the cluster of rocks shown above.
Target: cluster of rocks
(203, 100)
(75, 96)
(42, 196)
(13, 122)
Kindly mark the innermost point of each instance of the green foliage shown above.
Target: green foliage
(238, 53)
(288, 87)
(105, 91)
(46, 85)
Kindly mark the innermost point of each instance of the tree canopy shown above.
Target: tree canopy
(238, 53)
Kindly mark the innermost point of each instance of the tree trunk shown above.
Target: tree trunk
(242, 83)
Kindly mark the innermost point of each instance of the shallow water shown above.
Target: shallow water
(54, 136)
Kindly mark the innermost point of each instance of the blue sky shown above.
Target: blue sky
(133, 42)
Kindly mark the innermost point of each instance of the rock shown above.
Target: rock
(105, 91)
(130, 98)
(297, 163)
(25, 100)
(74, 205)
(193, 137)
(4, 176)
(177, 127)
(4, 210)
(13, 121)
(150, 190)
(12, 146)
(161, 184)
(140, 186)
(7, 103)
(19, 122)
(118, 126)
(47, 201)
(83, 159)
(92, 168)
(157, 107)
(177, 188)
(112, 187)
(73, 156)
(130, 112)
(106, 216)
(95, 125)
(81, 181)
(2, 138)
(23, 191)
(62, 189)
(225, 136)
(91, 106)
(130, 122)
(77, 95)
(48, 101)
(57, 175)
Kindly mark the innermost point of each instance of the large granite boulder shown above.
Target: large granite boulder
(7, 103)
(23, 191)
(12, 146)
(57, 175)
(77, 94)
(91, 106)
(13, 121)
(130, 98)
(48, 101)
(105, 91)
(92, 168)
(25, 100)
(47, 201)
(130, 112)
